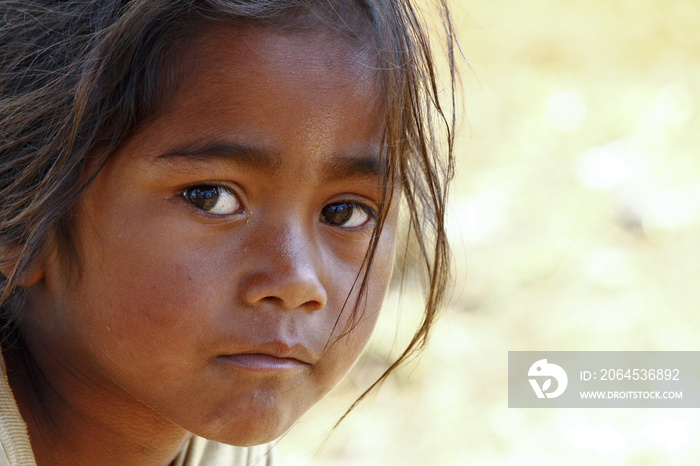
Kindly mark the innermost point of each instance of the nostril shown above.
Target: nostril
(309, 306)
(273, 300)
(288, 288)
(313, 306)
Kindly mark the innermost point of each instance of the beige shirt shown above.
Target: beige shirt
(15, 449)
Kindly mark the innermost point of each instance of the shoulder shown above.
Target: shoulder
(15, 448)
(202, 452)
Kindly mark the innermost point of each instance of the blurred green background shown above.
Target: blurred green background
(574, 222)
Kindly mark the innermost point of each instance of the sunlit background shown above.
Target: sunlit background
(575, 223)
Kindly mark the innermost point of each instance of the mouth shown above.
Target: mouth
(271, 357)
(261, 362)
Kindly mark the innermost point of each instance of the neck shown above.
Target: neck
(71, 421)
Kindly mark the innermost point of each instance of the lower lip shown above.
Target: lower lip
(259, 362)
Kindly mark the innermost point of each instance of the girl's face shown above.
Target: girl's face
(219, 245)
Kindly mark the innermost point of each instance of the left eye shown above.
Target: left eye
(347, 214)
(213, 199)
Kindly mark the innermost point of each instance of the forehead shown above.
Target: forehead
(267, 62)
(323, 50)
(275, 90)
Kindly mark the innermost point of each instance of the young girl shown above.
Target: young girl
(199, 205)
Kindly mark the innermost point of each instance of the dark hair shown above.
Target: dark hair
(78, 77)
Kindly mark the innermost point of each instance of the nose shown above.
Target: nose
(285, 274)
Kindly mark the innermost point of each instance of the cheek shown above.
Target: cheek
(141, 287)
(354, 330)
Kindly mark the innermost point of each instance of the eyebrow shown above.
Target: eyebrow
(344, 167)
(248, 156)
(259, 159)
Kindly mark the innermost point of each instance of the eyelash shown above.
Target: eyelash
(205, 197)
(206, 191)
(355, 206)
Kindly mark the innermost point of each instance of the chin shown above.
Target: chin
(249, 427)
(247, 434)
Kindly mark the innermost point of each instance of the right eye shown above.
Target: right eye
(212, 199)
(347, 214)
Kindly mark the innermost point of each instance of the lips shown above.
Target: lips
(270, 357)
(259, 362)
